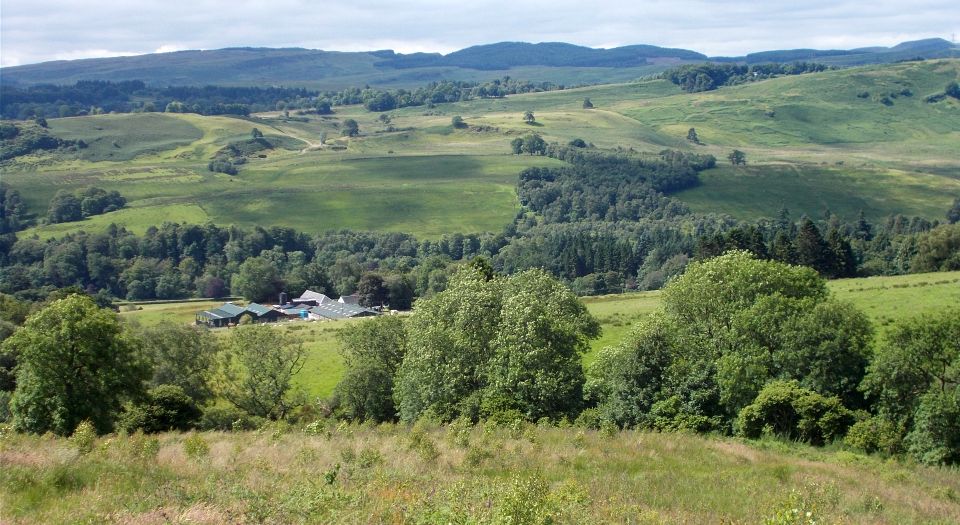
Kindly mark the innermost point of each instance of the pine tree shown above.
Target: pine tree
(783, 249)
(843, 261)
(812, 250)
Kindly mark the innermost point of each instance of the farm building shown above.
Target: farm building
(229, 314)
(349, 299)
(310, 298)
(336, 310)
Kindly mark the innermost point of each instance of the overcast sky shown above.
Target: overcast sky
(41, 30)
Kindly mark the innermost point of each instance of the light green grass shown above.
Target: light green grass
(810, 144)
(753, 192)
(136, 219)
(366, 474)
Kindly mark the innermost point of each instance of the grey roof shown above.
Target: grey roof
(310, 295)
(257, 309)
(340, 311)
(349, 299)
(216, 313)
(231, 309)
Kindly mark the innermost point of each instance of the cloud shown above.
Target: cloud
(40, 30)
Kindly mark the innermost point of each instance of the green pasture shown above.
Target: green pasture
(811, 144)
(754, 191)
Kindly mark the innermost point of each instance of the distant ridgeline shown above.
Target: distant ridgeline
(99, 96)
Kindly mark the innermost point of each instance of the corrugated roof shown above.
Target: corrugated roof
(349, 299)
(339, 310)
(257, 309)
(216, 313)
(231, 309)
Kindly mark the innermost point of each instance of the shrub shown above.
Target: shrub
(84, 437)
(196, 447)
(227, 418)
(875, 434)
(934, 439)
(5, 414)
(785, 408)
(167, 407)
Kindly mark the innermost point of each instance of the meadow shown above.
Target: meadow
(812, 144)
(521, 474)
(882, 299)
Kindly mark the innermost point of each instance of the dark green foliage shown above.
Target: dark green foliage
(372, 353)
(938, 250)
(222, 166)
(166, 407)
(516, 145)
(371, 290)
(458, 123)
(953, 214)
(534, 144)
(784, 408)
(64, 207)
(74, 364)
(228, 418)
(528, 117)
(737, 157)
(258, 280)
(952, 90)
(934, 438)
(23, 139)
(914, 380)
(729, 326)
(587, 104)
(693, 137)
(350, 128)
(181, 356)
(693, 78)
(577, 143)
(875, 434)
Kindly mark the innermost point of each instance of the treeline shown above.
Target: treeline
(99, 96)
(88, 97)
(24, 138)
(693, 78)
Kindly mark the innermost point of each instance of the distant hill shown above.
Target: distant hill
(555, 62)
(929, 48)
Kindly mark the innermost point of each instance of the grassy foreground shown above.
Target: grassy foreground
(395, 474)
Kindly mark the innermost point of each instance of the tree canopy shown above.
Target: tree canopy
(75, 363)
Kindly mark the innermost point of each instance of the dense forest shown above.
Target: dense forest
(693, 78)
(89, 97)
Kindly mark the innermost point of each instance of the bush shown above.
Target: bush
(227, 418)
(5, 414)
(934, 439)
(875, 434)
(167, 407)
(786, 409)
(84, 437)
(196, 447)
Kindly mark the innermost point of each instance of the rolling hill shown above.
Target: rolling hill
(811, 142)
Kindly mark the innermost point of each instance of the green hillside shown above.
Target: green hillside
(811, 144)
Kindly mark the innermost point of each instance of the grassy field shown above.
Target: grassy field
(883, 299)
(523, 475)
(811, 144)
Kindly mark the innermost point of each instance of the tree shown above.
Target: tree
(64, 207)
(528, 117)
(350, 128)
(256, 134)
(180, 355)
(516, 145)
(371, 290)
(534, 144)
(372, 352)
(458, 123)
(75, 363)
(257, 279)
(952, 90)
(811, 249)
(737, 157)
(587, 104)
(729, 325)
(256, 369)
(953, 214)
(692, 137)
(510, 343)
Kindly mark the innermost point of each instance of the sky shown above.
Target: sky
(41, 30)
